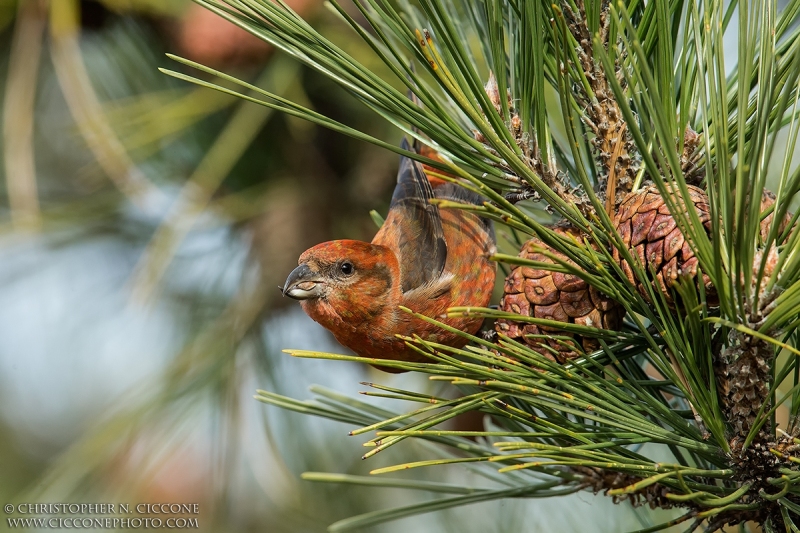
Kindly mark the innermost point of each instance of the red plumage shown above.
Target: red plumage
(423, 257)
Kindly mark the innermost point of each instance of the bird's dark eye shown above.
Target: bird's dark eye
(347, 268)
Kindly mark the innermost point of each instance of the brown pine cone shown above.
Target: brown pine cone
(650, 232)
(554, 296)
(767, 201)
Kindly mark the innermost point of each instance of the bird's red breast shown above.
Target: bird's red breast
(423, 257)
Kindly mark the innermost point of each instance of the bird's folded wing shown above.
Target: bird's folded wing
(413, 228)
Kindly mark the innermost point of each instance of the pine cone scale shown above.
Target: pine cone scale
(534, 273)
(674, 243)
(568, 282)
(652, 201)
(655, 252)
(551, 312)
(629, 207)
(514, 282)
(541, 291)
(576, 304)
(663, 226)
(642, 227)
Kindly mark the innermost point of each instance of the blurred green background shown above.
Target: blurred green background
(145, 225)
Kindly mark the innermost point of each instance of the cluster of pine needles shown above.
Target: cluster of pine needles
(603, 99)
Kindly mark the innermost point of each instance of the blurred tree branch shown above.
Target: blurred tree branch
(87, 109)
(198, 191)
(18, 113)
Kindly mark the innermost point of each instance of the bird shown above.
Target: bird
(424, 258)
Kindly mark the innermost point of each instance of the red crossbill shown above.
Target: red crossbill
(423, 257)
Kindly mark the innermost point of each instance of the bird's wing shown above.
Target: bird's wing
(413, 228)
(456, 193)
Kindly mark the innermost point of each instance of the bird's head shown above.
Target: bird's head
(345, 274)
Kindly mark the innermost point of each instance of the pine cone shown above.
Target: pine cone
(767, 201)
(650, 231)
(554, 296)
